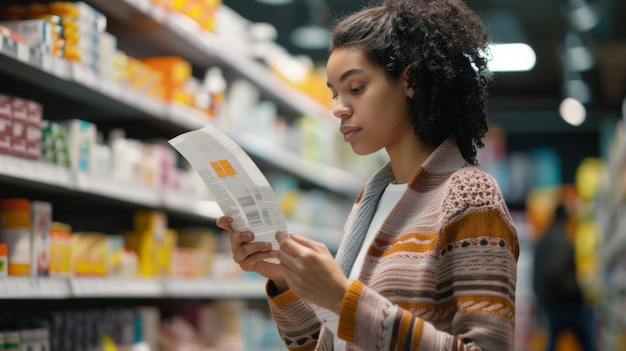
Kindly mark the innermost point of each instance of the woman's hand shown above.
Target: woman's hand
(249, 255)
(311, 271)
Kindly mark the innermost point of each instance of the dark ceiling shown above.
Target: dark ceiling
(543, 24)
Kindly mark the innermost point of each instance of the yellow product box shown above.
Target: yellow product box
(179, 5)
(141, 76)
(207, 17)
(60, 249)
(120, 61)
(150, 220)
(153, 253)
(90, 252)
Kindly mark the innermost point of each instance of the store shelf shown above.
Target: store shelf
(95, 287)
(24, 170)
(176, 34)
(16, 169)
(85, 86)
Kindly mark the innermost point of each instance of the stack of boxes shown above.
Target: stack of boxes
(20, 127)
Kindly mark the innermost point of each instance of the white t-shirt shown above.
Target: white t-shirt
(390, 197)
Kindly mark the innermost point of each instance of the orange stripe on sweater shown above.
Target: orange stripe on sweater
(480, 224)
(412, 242)
(439, 312)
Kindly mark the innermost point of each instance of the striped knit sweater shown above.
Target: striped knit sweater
(439, 275)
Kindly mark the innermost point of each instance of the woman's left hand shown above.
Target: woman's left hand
(311, 271)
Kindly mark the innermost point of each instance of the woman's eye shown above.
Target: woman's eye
(334, 97)
(356, 90)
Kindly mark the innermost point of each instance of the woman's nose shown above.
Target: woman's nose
(341, 110)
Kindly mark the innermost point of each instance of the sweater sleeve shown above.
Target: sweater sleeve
(472, 304)
(297, 323)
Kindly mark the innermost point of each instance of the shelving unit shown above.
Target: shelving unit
(611, 215)
(82, 85)
(86, 91)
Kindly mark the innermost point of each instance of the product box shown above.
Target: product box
(90, 252)
(41, 220)
(154, 254)
(20, 121)
(13, 44)
(54, 145)
(81, 136)
(36, 33)
(6, 124)
(60, 250)
(175, 73)
(34, 115)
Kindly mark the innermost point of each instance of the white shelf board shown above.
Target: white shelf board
(33, 287)
(14, 287)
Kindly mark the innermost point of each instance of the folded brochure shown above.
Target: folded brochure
(239, 187)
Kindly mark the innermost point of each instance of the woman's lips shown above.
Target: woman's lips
(348, 132)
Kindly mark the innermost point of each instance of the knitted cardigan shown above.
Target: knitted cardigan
(439, 275)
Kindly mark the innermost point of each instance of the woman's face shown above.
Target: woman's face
(372, 109)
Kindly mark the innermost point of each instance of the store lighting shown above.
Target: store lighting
(578, 59)
(576, 56)
(511, 57)
(584, 17)
(275, 2)
(577, 89)
(573, 111)
(312, 37)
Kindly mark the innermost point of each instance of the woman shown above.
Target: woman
(429, 254)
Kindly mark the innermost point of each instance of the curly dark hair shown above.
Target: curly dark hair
(443, 45)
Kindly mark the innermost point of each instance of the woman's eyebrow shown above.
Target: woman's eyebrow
(346, 74)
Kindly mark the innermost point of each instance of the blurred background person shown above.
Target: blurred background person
(559, 296)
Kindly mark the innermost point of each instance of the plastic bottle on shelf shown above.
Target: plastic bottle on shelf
(215, 84)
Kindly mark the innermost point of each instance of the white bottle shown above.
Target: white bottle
(215, 84)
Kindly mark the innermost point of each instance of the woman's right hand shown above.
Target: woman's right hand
(249, 255)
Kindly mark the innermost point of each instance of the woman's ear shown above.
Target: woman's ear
(405, 82)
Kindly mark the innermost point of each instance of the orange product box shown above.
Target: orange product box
(175, 71)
